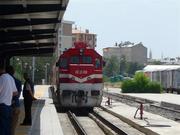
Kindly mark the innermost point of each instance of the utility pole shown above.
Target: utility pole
(33, 67)
(46, 73)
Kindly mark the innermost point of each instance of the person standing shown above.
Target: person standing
(7, 91)
(15, 101)
(28, 94)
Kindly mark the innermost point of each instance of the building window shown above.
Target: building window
(89, 37)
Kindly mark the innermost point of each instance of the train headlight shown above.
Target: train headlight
(81, 51)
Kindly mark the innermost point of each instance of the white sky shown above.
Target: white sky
(155, 23)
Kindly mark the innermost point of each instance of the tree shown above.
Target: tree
(132, 67)
(24, 64)
(156, 62)
(112, 67)
(123, 65)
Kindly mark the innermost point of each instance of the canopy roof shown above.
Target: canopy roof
(28, 27)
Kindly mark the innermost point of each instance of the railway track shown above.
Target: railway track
(79, 128)
(166, 110)
(100, 122)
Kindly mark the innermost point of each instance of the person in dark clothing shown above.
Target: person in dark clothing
(28, 94)
(15, 101)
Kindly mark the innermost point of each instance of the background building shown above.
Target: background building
(67, 36)
(85, 36)
(64, 36)
(130, 51)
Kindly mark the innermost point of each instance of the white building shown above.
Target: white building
(64, 36)
(85, 36)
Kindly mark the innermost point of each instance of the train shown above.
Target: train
(167, 75)
(79, 79)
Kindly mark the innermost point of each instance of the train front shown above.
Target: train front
(80, 79)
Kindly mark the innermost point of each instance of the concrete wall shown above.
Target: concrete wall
(139, 54)
(67, 29)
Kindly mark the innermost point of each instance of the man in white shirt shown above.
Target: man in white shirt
(7, 91)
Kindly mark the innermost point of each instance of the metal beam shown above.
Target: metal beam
(26, 46)
(5, 23)
(30, 52)
(18, 33)
(25, 38)
(30, 8)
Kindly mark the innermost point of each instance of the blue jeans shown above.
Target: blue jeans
(5, 119)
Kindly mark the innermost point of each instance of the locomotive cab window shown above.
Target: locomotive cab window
(86, 60)
(63, 63)
(97, 63)
(74, 60)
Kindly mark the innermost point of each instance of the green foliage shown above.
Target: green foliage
(115, 67)
(156, 63)
(128, 86)
(132, 67)
(154, 87)
(24, 64)
(140, 84)
(106, 79)
(123, 65)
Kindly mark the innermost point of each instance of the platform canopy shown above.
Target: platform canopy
(29, 27)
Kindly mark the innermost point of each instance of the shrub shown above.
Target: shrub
(128, 86)
(140, 84)
(154, 87)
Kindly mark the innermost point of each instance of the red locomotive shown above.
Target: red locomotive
(80, 80)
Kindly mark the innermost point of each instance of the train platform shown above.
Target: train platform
(44, 116)
(150, 124)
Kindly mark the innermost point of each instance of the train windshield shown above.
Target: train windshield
(75, 60)
(63, 63)
(86, 60)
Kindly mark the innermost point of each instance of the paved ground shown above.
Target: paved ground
(44, 117)
(153, 123)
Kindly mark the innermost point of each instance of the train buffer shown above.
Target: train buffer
(109, 101)
(140, 109)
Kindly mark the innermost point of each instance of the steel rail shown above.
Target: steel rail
(109, 124)
(79, 129)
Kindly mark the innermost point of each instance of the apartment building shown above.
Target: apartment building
(64, 36)
(131, 52)
(85, 36)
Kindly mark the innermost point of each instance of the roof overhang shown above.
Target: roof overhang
(29, 27)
